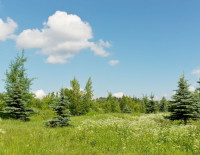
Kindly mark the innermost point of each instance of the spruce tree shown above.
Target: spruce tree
(196, 102)
(17, 90)
(196, 99)
(145, 102)
(182, 107)
(151, 105)
(198, 88)
(127, 109)
(60, 107)
(163, 107)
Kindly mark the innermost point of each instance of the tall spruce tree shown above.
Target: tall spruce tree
(182, 107)
(60, 107)
(17, 90)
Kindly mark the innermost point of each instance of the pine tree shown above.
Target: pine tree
(60, 107)
(196, 102)
(182, 107)
(198, 88)
(151, 105)
(17, 90)
(163, 107)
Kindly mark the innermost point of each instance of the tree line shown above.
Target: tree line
(18, 102)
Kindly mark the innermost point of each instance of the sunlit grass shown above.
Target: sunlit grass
(100, 134)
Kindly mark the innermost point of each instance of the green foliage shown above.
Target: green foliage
(60, 107)
(150, 105)
(87, 97)
(75, 97)
(112, 104)
(127, 109)
(163, 107)
(198, 88)
(196, 104)
(17, 90)
(183, 107)
(127, 105)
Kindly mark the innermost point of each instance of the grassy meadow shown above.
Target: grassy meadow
(100, 134)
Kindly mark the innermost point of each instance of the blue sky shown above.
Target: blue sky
(150, 43)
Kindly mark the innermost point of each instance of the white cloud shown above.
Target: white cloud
(40, 93)
(196, 72)
(192, 88)
(7, 29)
(113, 62)
(118, 95)
(61, 38)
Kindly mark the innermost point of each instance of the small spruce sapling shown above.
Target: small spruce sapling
(60, 107)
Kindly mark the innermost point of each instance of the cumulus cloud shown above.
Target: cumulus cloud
(196, 72)
(113, 62)
(40, 93)
(61, 38)
(192, 88)
(7, 29)
(118, 95)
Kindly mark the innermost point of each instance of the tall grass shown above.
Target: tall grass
(100, 134)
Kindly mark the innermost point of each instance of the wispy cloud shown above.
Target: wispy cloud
(196, 72)
(113, 62)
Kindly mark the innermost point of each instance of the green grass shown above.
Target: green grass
(100, 134)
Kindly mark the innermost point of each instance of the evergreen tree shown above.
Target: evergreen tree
(126, 104)
(17, 90)
(123, 102)
(2, 96)
(88, 94)
(127, 109)
(60, 107)
(196, 102)
(198, 88)
(145, 102)
(182, 107)
(151, 105)
(163, 107)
